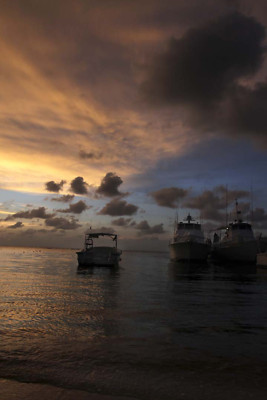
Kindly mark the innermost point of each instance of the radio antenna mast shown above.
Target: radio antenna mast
(226, 205)
(252, 205)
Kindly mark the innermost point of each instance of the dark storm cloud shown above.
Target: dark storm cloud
(209, 204)
(244, 209)
(245, 111)
(76, 208)
(66, 198)
(93, 61)
(30, 214)
(52, 186)
(258, 217)
(212, 204)
(123, 222)
(169, 197)
(202, 65)
(202, 72)
(109, 185)
(231, 195)
(62, 223)
(90, 155)
(145, 229)
(118, 207)
(79, 186)
(16, 225)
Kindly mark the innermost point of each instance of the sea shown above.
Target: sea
(147, 329)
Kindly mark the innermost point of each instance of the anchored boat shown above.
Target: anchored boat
(99, 255)
(238, 243)
(189, 243)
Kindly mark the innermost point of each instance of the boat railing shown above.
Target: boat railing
(189, 238)
(89, 238)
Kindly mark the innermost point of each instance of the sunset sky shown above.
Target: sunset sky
(118, 114)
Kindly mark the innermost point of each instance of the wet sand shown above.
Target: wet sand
(208, 380)
(262, 260)
(13, 390)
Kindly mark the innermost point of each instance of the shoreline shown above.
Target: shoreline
(14, 390)
(262, 260)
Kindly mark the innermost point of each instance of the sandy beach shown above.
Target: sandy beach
(13, 390)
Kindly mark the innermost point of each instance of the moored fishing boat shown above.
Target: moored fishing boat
(99, 255)
(189, 243)
(238, 243)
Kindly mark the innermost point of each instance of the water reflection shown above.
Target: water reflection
(102, 285)
(222, 272)
(245, 273)
(188, 271)
(95, 270)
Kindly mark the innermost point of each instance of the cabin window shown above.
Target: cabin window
(181, 225)
(241, 227)
(245, 226)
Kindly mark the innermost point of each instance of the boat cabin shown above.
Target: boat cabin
(183, 225)
(188, 225)
(89, 239)
(240, 225)
(188, 229)
(239, 230)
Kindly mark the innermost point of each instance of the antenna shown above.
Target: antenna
(238, 212)
(252, 205)
(226, 205)
(175, 222)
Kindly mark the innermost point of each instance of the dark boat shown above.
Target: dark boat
(99, 255)
(189, 243)
(238, 243)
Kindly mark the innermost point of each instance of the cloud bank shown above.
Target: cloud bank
(169, 197)
(213, 204)
(52, 186)
(66, 198)
(109, 185)
(205, 72)
(145, 229)
(76, 208)
(118, 207)
(62, 223)
(79, 186)
(30, 214)
(126, 222)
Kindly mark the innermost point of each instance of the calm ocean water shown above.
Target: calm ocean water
(149, 329)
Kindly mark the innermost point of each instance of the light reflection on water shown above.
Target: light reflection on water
(128, 330)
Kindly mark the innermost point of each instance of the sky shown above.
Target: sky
(119, 115)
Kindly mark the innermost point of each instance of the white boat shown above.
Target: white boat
(99, 255)
(189, 243)
(238, 243)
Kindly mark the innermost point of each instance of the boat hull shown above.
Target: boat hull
(99, 256)
(189, 251)
(245, 252)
